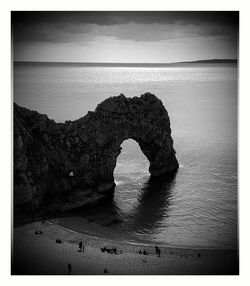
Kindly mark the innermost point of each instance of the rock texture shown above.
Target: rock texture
(59, 166)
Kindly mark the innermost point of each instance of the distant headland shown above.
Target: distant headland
(171, 64)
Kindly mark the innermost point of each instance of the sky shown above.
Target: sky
(124, 37)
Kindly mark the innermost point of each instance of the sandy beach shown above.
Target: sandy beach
(40, 254)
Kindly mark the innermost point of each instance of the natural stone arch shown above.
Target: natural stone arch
(71, 164)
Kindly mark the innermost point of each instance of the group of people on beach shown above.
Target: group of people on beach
(109, 250)
(144, 252)
(157, 251)
(105, 249)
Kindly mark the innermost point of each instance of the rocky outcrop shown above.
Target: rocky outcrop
(59, 166)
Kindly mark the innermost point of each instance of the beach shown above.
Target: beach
(40, 254)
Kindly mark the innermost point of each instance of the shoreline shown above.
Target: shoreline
(129, 241)
(40, 254)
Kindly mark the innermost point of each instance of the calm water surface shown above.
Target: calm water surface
(198, 206)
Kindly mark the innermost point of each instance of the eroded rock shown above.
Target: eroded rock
(45, 152)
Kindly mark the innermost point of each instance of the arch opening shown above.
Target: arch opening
(131, 172)
(131, 160)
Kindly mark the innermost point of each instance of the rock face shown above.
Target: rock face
(59, 166)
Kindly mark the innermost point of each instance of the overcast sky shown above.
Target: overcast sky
(158, 37)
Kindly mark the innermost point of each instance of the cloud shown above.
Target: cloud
(51, 33)
(64, 27)
(122, 17)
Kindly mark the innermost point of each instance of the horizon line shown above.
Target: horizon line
(215, 60)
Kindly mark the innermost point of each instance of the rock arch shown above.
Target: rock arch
(59, 166)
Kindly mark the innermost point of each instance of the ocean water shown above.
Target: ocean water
(195, 208)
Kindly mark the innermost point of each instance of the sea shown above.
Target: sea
(198, 206)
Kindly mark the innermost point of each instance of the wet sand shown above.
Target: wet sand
(40, 254)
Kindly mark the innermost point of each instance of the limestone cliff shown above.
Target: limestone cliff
(59, 166)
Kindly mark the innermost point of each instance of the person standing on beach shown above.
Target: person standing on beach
(80, 246)
(156, 249)
(69, 268)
